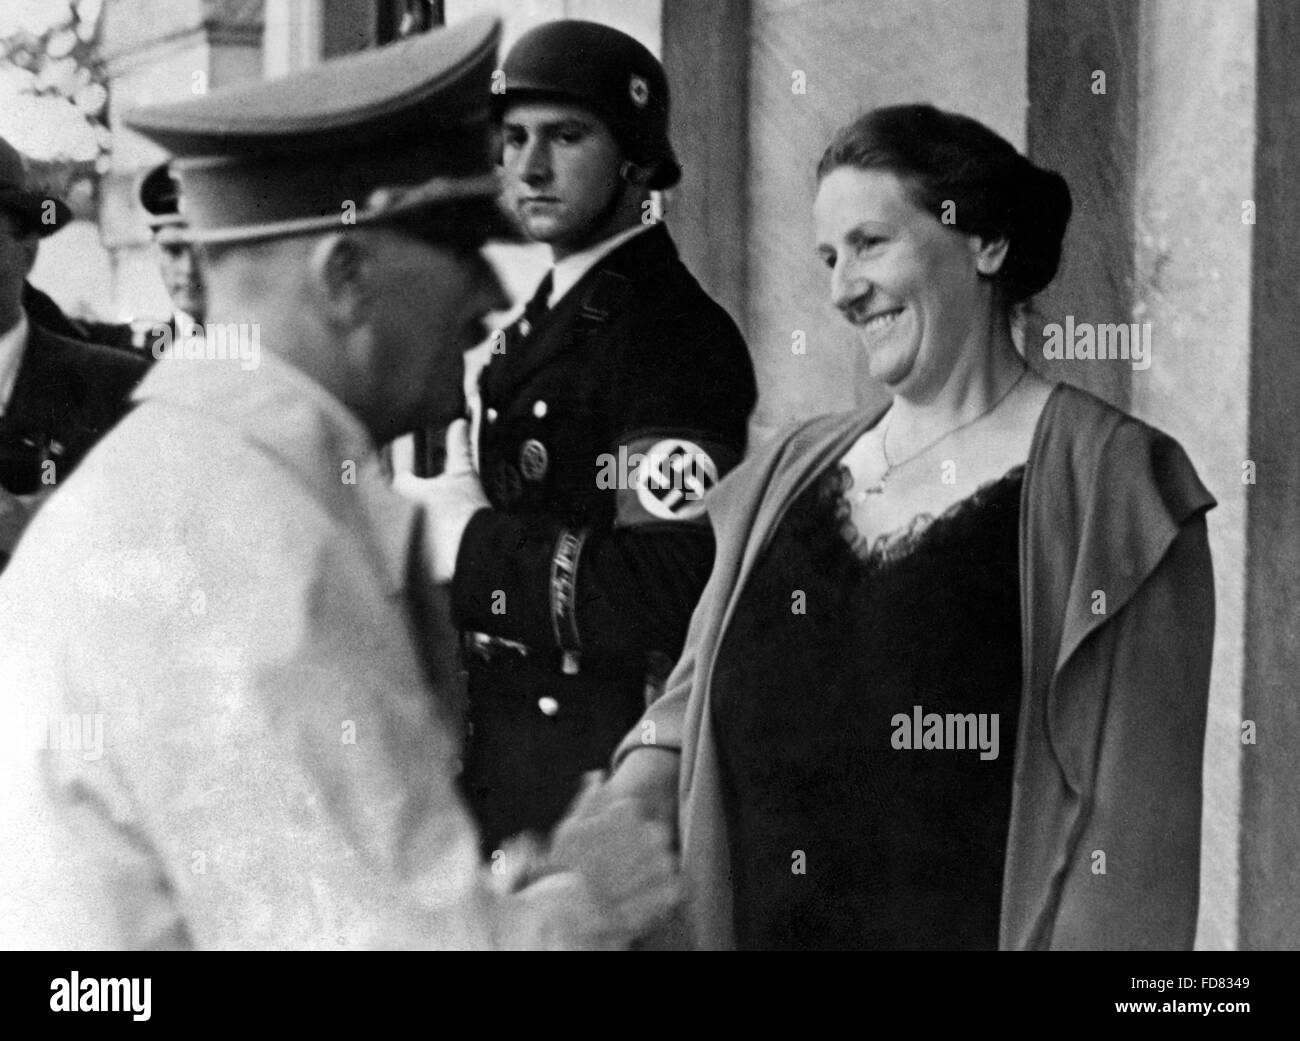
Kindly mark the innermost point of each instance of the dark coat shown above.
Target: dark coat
(635, 355)
(66, 396)
(43, 311)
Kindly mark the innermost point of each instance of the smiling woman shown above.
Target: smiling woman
(989, 547)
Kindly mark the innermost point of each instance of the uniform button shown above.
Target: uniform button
(539, 409)
(548, 706)
(534, 460)
(491, 415)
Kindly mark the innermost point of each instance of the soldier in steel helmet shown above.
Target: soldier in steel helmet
(178, 258)
(607, 411)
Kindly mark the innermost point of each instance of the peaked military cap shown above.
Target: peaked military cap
(603, 70)
(160, 197)
(387, 134)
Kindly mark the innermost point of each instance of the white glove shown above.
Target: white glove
(449, 501)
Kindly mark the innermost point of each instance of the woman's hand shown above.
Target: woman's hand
(624, 853)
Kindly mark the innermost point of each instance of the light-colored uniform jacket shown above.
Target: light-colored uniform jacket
(208, 624)
(1113, 703)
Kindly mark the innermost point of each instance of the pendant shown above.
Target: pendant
(872, 489)
(876, 489)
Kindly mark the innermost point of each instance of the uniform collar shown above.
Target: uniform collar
(292, 417)
(12, 345)
(569, 271)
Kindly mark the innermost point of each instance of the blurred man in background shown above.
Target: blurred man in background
(58, 395)
(178, 258)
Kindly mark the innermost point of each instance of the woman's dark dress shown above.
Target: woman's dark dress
(898, 848)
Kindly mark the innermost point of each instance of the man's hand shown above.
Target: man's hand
(449, 501)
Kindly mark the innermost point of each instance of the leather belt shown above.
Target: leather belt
(485, 647)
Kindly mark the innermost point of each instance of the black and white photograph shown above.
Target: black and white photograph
(787, 475)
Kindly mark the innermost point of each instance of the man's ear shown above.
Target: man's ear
(342, 274)
(635, 174)
(989, 254)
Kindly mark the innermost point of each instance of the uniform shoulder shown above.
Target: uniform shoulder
(669, 311)
(90, 358)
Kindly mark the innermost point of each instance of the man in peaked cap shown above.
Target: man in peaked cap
(608, 410)
(178, 257)
(57, 395)
(230, 720)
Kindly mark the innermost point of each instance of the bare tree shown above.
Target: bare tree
(63, 61)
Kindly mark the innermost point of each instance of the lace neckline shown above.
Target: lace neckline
(892, 546)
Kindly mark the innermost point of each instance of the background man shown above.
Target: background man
(240, 742)
(57, 395)
(178, 258)
(178, 264)
(576, 570)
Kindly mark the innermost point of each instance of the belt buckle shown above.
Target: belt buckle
(487, 647)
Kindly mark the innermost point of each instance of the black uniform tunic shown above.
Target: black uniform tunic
(66, 395)
(840, 839)
(571, 561)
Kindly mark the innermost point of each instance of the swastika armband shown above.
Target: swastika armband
(663, 479)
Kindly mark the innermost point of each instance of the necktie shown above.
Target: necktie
(536, 308)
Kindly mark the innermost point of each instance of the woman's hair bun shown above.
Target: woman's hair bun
(1042, 210)
(956, 165)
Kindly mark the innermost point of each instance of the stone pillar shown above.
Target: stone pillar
(1082, 122)
(1193, 285)
(1159, 165)
(158, 52)
(813, 66)
(1270, 820)
(706, 56)
(292, 36)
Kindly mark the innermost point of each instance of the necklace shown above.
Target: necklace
(890, 466)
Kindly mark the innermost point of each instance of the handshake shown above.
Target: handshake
(607, 878)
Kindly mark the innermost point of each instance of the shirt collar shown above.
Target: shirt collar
(12, 345)
(569, 271)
